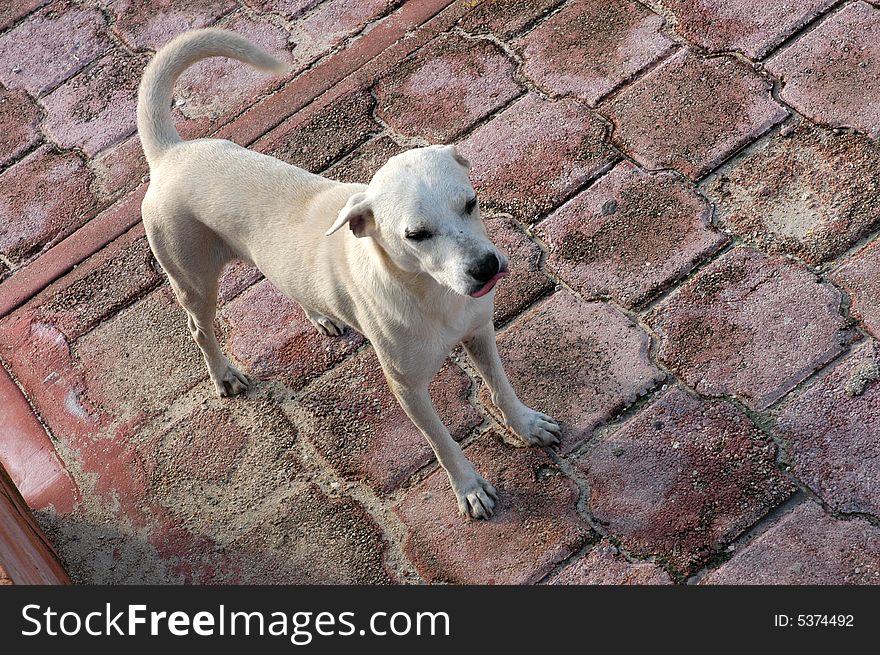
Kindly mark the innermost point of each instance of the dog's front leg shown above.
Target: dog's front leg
(476, 497)
(533, 428)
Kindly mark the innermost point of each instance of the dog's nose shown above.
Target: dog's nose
(486, 268)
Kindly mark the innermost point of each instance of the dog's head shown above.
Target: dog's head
(422, 210)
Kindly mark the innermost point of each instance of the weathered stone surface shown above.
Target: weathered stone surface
(362, 164)
(806, 546)
(860, 278)
(592, 47)
(445, 87)
(10, 12)
(578, 362)
(272, 337)
(604, 564)
(682, 479)
(691, 113)
(629, 235)
(832, 73)
(535, 524)
(19, 118)
(96, 108)
(748, 27)
(749, 326)
(505, 18)
(831, 433)
(149, 24)
(43, 198)
(809, 193)
(290, 9)
(535, 154)
(37, 60)
(355, 422)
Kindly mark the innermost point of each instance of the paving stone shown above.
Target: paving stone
(682, 479)
(527, 282)
(578, 362)
(747, 27)
(219, 87)
(352, 418)
(605, 565)
(119, 168)
(831, 433)
(806, 546)
(313, 142)
(691, 113)
(629, 235)
(749, 326)
(36, 60)
(19, 120)
(148, 24)
(535, 524)
(445, 87)
(860, 278)
(290, 9)
(590, 48)
(505, 18)
(832, 73)
(535, 154)
(362, 164)
(808, 193)
(96, 108)
(332, 23)
(43, 198)
(236, 277)
(272, 337)
(11, 12)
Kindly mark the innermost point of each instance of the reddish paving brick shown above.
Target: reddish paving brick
(831, 433)
(535, 524)
(11, 12)
(119, 168)
(629, 235)
(860, 278)
(354, 421)
(578, 362)
(220, 87)
(505, 18)
(148, 24)
(806, 546)
(809, 193)
(832, 74)
(605, 565)
(272, 337)
(96, 108)
(236, 277)
(535, 154)
(37, 60)
(445, 87)
(682, 479)
(43, 198)
(290, 9)
(362, 164)
(749, 326)
(332, 23)
(692, 113)
(748, 27)
(590, 48)
(19, 120)
(527, 282)
(314, 141)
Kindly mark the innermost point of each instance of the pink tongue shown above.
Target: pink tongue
(490, 284)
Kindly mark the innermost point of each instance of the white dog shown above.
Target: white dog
(414, 272)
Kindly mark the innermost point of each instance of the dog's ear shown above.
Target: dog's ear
(358, 214)
(452, 151)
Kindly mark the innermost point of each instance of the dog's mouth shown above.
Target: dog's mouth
(486, 288)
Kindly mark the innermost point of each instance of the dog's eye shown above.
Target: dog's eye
(418, 235)
(470, 205)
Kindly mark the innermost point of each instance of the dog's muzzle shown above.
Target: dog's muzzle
(487, 272)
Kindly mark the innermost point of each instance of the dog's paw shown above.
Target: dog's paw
(325, 325)
(534, 428)
(231, 383)
(476, 499)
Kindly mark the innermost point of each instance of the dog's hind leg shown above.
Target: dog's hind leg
(324, 324)
(193, 258)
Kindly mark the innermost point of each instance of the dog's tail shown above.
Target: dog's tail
(154, 123)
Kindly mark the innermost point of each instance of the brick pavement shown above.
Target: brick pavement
(688, 192)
